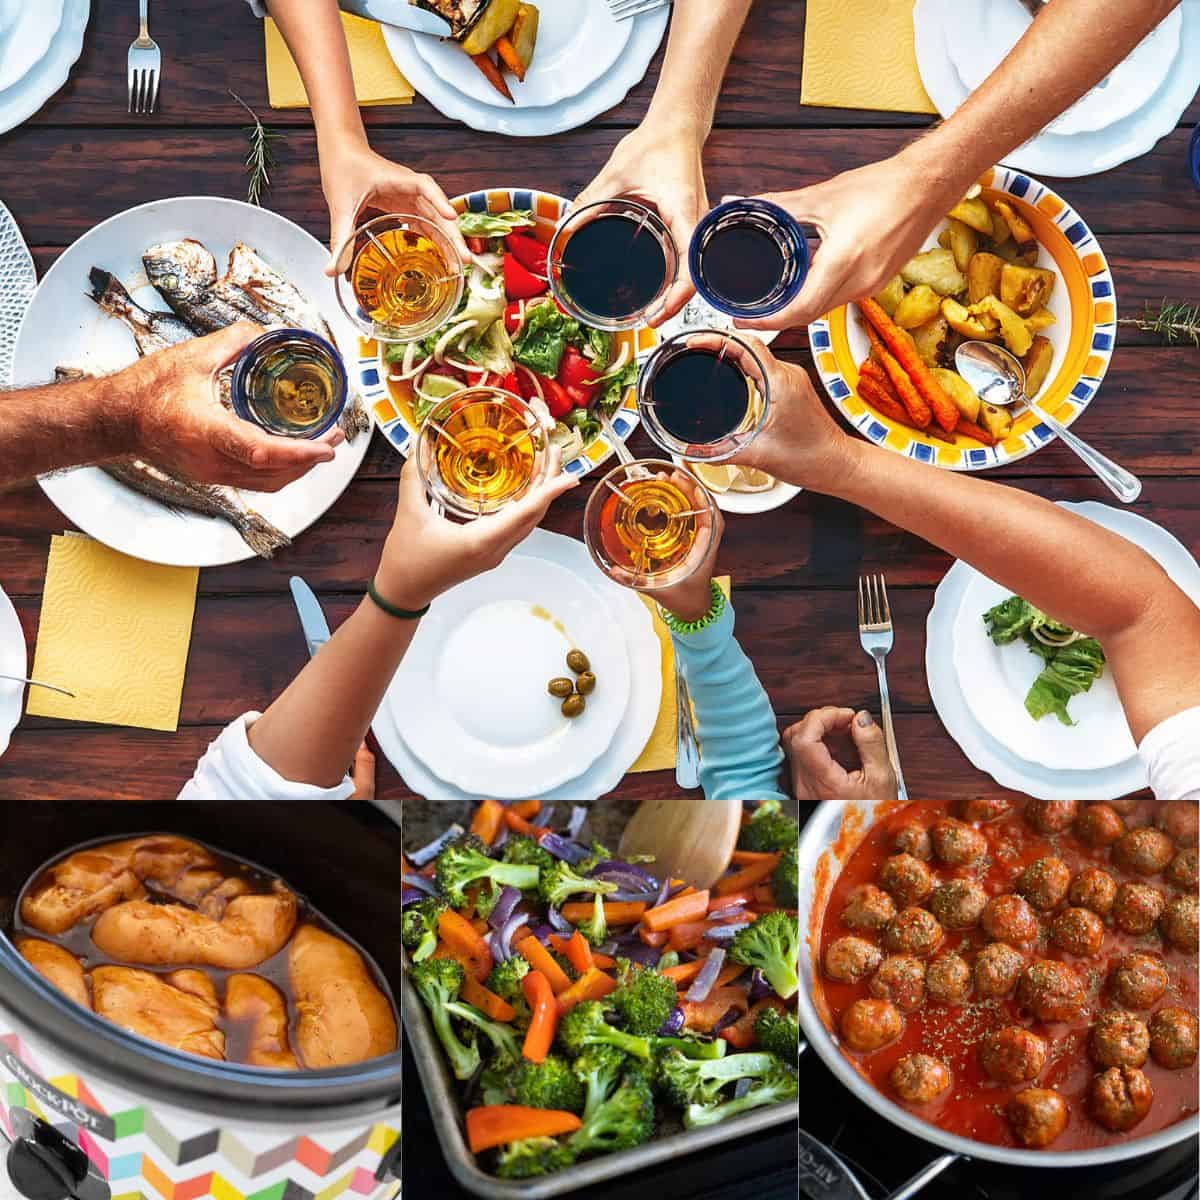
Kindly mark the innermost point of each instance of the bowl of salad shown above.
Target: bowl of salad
(508, 332)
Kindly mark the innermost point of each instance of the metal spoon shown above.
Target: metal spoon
(34, 683)
(999, 379)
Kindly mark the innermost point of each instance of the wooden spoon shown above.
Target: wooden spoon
(690, 839)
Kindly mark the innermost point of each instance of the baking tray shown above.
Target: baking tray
(422, 821)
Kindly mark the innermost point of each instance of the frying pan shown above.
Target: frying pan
(833, 833)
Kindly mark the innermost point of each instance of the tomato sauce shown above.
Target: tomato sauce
(974, 1105)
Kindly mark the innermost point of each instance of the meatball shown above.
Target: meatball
(1051, 816)
(1119, 1098)
(914, 931)
(1139, 981)
(1037, 1116)
(1094, 889)
(907, 878)
(1119, 1039)
(869, 1024)
(1099, 825)
(913, 839)
(997, 969)
(868, 908)
(1078, 931)
(959, 903)
(1144, 851)
(1012, 1055)
(1051, 991)
(849, 959)
(1173, 1038)
(1009, 919)
(983, 810)
(1180, 821)
(1180, 923)
(948, 979)
(1045, 883)
(900, 979)
(1184, 870)
(957, 844)
(1125, 807)
(1138, 907)
(919, 1078)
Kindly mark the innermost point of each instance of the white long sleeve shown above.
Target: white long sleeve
(1171, 752)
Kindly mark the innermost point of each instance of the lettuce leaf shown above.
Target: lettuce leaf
(617, 385)
(1009, 619)
(1070, 672)
(543, 338)
(483, 224)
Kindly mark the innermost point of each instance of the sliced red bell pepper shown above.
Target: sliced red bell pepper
(512, 383)
(519, 284)
(512, 316)
(574, 370)
(477, 245)
(558, 399)
(529, 252)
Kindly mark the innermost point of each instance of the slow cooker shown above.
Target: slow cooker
(91, 1112)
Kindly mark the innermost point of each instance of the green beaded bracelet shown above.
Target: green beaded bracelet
(392, 610)
(675, 625)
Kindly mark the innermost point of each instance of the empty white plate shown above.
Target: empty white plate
(23, 44)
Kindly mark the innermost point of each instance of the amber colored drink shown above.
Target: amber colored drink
(647, 525)
(486, 454)
(401, 278)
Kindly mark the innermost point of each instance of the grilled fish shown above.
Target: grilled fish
(151, 330)
(461, 14)
(185, 274)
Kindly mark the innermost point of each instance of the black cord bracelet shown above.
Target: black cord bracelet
(392, 610)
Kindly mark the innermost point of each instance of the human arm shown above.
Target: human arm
(874, 219)
(161, 409)
(661, 161)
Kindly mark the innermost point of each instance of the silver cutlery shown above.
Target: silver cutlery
(144, 66)
(622, 10)
(875, 633)
(687, 748)
(50, 687)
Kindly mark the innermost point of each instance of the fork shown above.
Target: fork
(145, 63)
(622, 10)
(875, 633)
(687, 748)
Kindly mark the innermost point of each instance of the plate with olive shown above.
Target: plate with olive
(516, 682)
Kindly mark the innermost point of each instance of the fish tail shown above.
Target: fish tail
(354, 419)
(260, 535)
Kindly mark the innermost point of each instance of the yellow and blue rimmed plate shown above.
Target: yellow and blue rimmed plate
(390, 404)
(1083, 337)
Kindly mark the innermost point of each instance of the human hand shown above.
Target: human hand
(663, 168)
(817, 775)
(178, 424)
(362, 774)
(355, 178)
(426, 554)
(691, 599)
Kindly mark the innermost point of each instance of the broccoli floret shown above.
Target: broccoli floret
(668, 960)
(561, 882)
(599, 854)
(438, 981)
(691, 1047)
(505, 979)
(486, 899)
(692, 1081)
(625, 1119)
(775, 1085)
(496, 1080)
(599, 1069)
(503, 1039)
(463, 862)
(419, 927)
(772, 944)
(770, 829)
(585, 1026)
(785, 882)
(595, 928)
(524, 851)
(532, 1157)
(552, 1083)
(778, 1033)
(644, 999)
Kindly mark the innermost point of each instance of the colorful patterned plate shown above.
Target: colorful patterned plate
(1084, 302)
(391, 410)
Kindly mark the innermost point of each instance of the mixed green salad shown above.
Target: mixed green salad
(1073, 662)
(509, 332)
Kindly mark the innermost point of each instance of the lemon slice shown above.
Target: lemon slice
(751, 479)
(717, 477)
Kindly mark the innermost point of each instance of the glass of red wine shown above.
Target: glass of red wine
(703, 395)
(748, 258)
(612, 264)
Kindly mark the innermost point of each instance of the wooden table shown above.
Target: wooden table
(82, 160)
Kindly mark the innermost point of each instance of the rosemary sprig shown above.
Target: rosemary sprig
(1172, 321)
(260, 162)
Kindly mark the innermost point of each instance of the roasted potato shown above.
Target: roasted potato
(970, 325)
(523, 34)
(921, 305)
(997, 421)
(937, 270)
(1022, 231)
(1025, 289)
(929, 339)
(1036, 361)
(496, 21)
(983, 276)
(889, 299)
(1012, 328)
(1042, 319)
(959, 390)
(1001, 232)
(963, 243)
(973, 212)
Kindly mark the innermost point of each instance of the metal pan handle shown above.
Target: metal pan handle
(924, 1177)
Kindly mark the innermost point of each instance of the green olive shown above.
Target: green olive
(585, 685)
(560, 687)
(578, 661)
(572, 706)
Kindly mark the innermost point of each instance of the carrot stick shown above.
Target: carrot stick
(479, 925)
(527, 809)
(746, 877)
(704, 1014)
(616, 912)
(763, 894)
(544, 1022)
(499, 1124)
(676, 911)
(919, 413)
(976, 431)
(491, 73)
(729, 972)
(457, 932)
(743, 858)
(944, 409)
(871, 391)
(509, 57)
(487, 1002)
(688, 934)
(518, 824)
(592, 985)
(542, 960)
(579, 953)
(487, 821)
(742, 896)
(684, 973)
(653, 939)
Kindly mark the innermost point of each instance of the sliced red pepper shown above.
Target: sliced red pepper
(512, 316)
(574, 370)
(529, 252)
(581, 397)
(519, 284)
(477, 245)
(558, 399)
(511, 383)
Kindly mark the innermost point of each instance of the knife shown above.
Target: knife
(312, 617)
(398, 12)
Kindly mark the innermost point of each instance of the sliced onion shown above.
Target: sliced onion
(637, 951)
(731, 1015)
(409, 896)
(703, 983)
(516, 919)
(742, 1087)
(726, 933)
(427, 854)
(628, 875)
(734, 910)
(560, 847)
(510, 897)
(543, 817)
(610, 947)
(542, 932)
(635, 897)
(662, 893)
(451, 335)
(492, 939)
(560, 923)
(426, 886)
(501, 838)
(759, 987)
(673, 1025)
(579, 814)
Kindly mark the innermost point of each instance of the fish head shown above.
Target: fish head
(181, 270)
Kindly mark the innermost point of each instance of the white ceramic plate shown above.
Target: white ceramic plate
(578, 42)
(750, 502)
(1074, 155)
(12, 662)
(570, 112)
(470, 697)
(1009, 767)
(64, 326)
(644, 655)
(42, 79)
(23, 44)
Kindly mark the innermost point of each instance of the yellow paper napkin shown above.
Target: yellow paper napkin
(376, 77)
(659, 752)
(115, 631)
(860, 54)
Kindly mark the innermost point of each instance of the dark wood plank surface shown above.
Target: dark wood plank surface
(82, 159)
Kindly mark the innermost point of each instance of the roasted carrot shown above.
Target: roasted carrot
(741, 896)
(616, 912)
(544, 1020)
(579, 953)
(479, 925)
(740, 1035)
(901, 345)
(743, 858)
(876, 389)
(746, 877)
(764, 895)
(603, 961)
(488, 820)
(919, 413)
(685, 972)
(471, 950)
(538, 957)
(518, 824)
(498, 1124)
(593, 984)
(976, 431)
(527, 809)
(704, 1014)
(487, 1002)
(677, 910)
(650, 938)
(491, 73)
(687, 935)
(510, 58)
(729, 972)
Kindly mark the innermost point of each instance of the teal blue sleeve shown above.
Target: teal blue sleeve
(740, 755)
